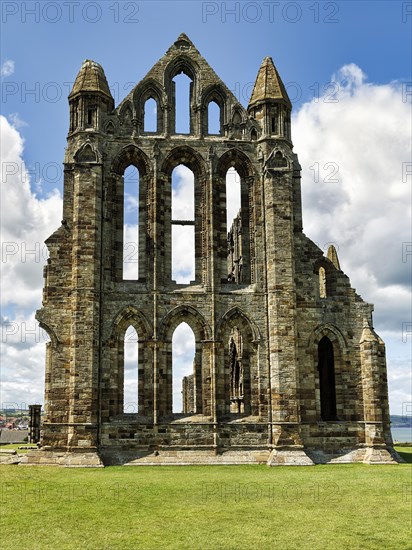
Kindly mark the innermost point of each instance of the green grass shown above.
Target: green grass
(207, 507)
(405, 453)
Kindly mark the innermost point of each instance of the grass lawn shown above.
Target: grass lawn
(350, 506)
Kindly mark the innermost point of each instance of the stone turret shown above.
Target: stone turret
(269, 104)
(90, 98)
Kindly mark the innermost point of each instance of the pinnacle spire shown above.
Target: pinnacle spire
(332, 255)
(91, 78)
(269, 85)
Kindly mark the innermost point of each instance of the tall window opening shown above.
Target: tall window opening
(234, 226)
(213, 118)
(274, 120)
(322, 282)
(131, 224)
(150, 116)
(237, 398)
(130, 370)
(183, 225)
(326, 368)
(91, 115)
(183, 376)
(182, 84)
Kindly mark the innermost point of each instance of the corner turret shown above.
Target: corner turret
(90, 98)
(269, 104)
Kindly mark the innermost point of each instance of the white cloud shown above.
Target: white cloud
(7, 69)
(183, 195)
(352, 147)
(16, 121)
(26, 221)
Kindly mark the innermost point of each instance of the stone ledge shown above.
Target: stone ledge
(67, 459)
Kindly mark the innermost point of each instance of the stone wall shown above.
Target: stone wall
(264, 401)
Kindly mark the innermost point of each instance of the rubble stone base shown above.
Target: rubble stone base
(88, 459)
(289, 456)
(381, 455)
(207, 457)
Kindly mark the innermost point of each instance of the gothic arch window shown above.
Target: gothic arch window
(186, 384)
(234, 227)
(322, 282)
(253, 134)
(130, 371)
(183, 370)
(127, 382)
(126, 215)
(214, 118)
(236, 123)
(234, 203)
(237, 372)
(182, 118)
(238, 359)
(131, 246)
(279, 161)
(150, 115)
(182, 93)
(183, 225)
(126, 115)
(327, 387)
(324, 278)
(86, 154)
(110, 129)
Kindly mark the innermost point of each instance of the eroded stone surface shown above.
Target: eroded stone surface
(287, 364)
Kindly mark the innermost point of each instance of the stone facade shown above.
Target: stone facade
(188, 394)
(287, 367)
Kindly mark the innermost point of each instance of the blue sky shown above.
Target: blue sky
(363, 48)
(49, 54)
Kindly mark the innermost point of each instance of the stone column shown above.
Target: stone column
(370, 353)
(278, 193)
(85, 307)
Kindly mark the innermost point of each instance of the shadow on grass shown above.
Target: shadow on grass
(405, 453)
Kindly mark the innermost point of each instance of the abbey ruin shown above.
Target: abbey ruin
(287, 367)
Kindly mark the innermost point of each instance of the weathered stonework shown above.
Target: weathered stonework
(306, 380)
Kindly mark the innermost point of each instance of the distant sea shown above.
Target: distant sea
(402, 434)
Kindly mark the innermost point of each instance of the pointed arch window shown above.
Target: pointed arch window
(183, 370)
(130, 371)
(235, 230)
(213, 118)
(183, 225)
(327, 386)
(322, 283)
(239, 358)
(237, 401)
(150, 115)
(131, 223)
(182, 93)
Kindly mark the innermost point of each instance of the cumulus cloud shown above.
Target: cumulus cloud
(353, 146)
(7, 68)
(26, 221)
